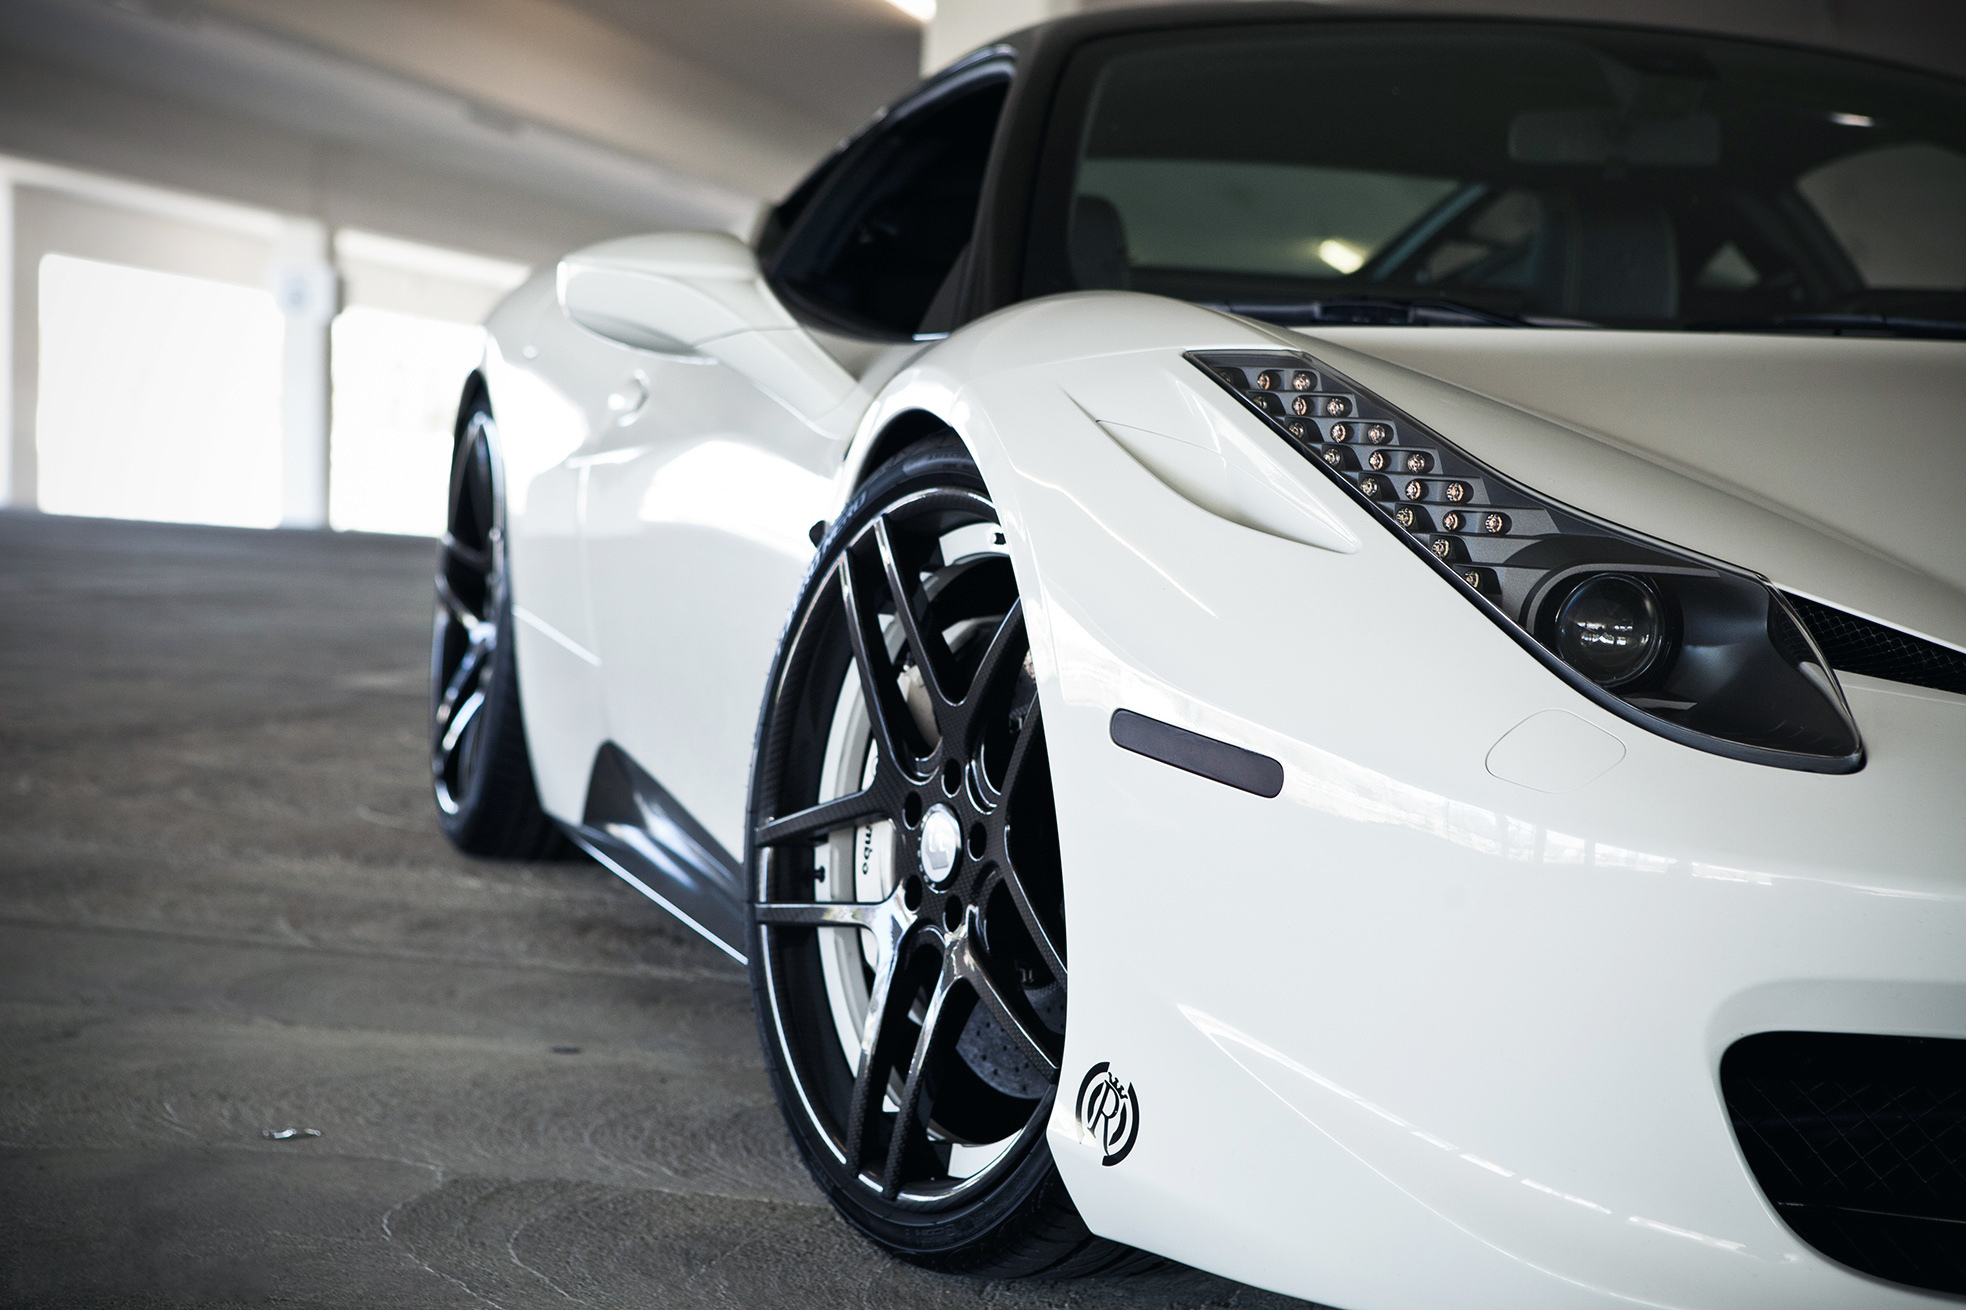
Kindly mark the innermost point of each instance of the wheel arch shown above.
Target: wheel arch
(894, 434)
(490, 808)
(922, 404)
(476, 391)
(476, 394)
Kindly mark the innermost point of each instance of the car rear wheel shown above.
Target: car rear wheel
(481, 773)
(908, 938)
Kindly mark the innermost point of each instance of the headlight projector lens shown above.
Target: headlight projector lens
(1610, 629)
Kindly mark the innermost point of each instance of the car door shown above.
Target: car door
(694, 520)
(701, 495)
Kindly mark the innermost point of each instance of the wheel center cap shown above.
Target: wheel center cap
(942, 839)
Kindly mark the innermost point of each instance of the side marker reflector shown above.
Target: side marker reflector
(1218, 761)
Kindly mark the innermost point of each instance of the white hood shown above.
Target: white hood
(1836, 467)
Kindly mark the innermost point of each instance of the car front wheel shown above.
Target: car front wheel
(908, 937)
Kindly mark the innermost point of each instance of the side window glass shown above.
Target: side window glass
(885, 236)
(1898, 211)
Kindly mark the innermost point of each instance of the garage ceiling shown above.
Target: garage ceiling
(518, 127)
(836, 60)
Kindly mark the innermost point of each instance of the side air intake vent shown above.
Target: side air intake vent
(1860, 1143)
(1857, 645)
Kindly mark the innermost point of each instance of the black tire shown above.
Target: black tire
(975, 948)
(481, 772)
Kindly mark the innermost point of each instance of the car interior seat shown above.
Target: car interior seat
(1619, 262)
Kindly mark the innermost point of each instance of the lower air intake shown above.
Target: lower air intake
(1860, 1143)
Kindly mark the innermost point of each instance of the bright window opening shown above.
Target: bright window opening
(397, 379)
(159, 396)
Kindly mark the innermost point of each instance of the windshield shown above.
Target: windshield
(1544, 174)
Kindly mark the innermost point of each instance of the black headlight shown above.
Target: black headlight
(1707, 655)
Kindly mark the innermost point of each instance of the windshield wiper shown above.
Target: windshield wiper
(1863, 325)
(1370, 310)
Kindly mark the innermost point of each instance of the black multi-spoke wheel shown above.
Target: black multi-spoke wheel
(908, 951)
(479, 768)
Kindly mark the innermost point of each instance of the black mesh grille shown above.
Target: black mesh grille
(1860, 1143)
(1860, 646)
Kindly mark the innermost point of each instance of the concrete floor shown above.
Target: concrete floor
(225, 908)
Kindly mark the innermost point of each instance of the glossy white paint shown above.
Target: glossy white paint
(542, 422)
(1430, 1036)
(700, 295)
(1554, 751)
(692, 498)
(693, 505)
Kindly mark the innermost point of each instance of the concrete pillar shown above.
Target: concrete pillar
(302, 279)
(959, 26)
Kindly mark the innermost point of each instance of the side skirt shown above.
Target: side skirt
(636, 829)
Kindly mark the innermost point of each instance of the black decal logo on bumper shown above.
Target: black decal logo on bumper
(1108, 1112)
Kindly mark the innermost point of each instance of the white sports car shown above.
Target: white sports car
(1421, 560)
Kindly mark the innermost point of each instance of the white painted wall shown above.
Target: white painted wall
(408, 277)
(301, 275)
(158, 396)
(60, 211)
(48, 210)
